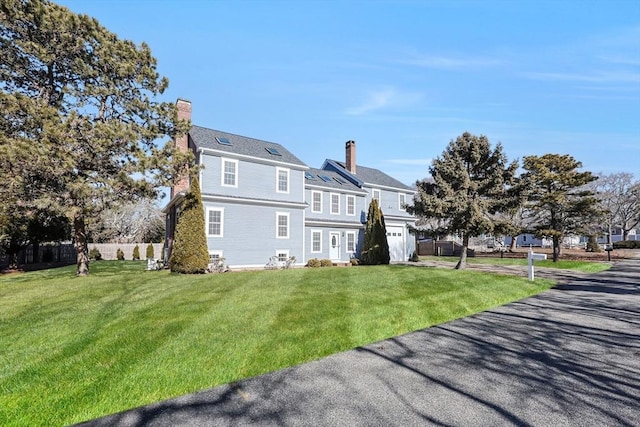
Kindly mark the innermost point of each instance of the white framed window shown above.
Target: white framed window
(282, 225)
(282, 180)
(282, 254)
(214, 256)
(316, 201)
(351, 241)
(376, 195)
(316, 241)
(402, 200)
(215, 222)
(351, 205)
(335, 204)
(229, 173)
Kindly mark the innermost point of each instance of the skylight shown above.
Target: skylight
(274, 151)
(339, 180)
(325, 178)
(223, 141)
(309, 176)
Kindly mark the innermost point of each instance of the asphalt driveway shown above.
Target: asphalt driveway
(567, 357)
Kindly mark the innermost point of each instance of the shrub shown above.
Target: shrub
(313, 263)
(136, 253)
(150, 251)
(120, 255)
(414, 257)
(354, 261)
(326, 263)
(627, 244)
(375, 248)
(592, 244)
(95, 254)
(190, 252)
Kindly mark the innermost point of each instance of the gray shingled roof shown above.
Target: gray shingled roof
(333, 183)
(242, 145)
(373, 176)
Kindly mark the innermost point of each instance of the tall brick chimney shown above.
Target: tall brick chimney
(350, 161)
(182, 142)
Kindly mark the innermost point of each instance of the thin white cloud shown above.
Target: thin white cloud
(379, 99)
(451, 62)
(596, 77)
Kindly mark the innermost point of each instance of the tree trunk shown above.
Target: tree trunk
(556, 248)
(625, 233)
(462, 263)
(81, 246)
(514, 244)
(36, 252)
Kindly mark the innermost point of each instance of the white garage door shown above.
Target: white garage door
(395, 238)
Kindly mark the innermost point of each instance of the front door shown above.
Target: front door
(334, 246)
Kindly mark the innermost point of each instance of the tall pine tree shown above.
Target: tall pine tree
(558, 197)
(470, 184)
(375, 249)
(190, 253)
(80, 117)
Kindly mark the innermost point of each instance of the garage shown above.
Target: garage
(396, 240)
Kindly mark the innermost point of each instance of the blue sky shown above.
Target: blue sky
(401, 78)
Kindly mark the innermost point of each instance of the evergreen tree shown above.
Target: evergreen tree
(80, 123)
(150, 252)
(470, 183)
(375, 249)
(558, 197)
(136, 253)
(190, 253)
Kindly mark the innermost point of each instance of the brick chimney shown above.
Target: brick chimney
(182, 142)
(350, 161)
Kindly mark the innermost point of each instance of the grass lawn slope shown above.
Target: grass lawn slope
(73, 349)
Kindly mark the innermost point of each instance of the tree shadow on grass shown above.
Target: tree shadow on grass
(569, 356)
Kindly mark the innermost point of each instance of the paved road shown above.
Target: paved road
(567, 357)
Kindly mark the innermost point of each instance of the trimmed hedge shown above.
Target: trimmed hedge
(627, 244)
(136, 253)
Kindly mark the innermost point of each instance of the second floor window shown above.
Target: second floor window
(351, 205)
(376, 195)
(229, 173)
(316, 201)
(282, 180)
(335, 204)
(402, 200)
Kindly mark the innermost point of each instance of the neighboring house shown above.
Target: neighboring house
(261, 201)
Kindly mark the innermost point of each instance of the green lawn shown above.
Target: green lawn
(583, 266)
(73, 349)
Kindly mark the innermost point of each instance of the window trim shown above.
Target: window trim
(320, 241)
(288, 216)
(288, 173)
(350, 197)
(215, 252)
(282, 251)
(208, 220)
(313, 192)
(355, 242)
(401, 202)
(223, 163)
(331, 195)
